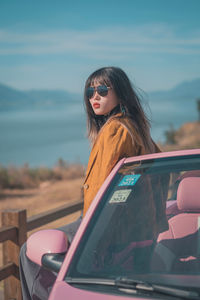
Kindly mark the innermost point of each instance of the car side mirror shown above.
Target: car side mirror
(48, 248)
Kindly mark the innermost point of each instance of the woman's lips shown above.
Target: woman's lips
(96, 105)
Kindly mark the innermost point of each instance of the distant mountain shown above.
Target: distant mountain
(174, 107)
(8, 94)
(13, 99)
(52, 95)
(187, 90)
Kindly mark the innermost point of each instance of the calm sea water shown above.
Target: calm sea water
(41, 137)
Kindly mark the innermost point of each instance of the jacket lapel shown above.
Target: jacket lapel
(92, 159)
(95, 149)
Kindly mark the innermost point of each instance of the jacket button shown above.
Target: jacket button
(86, 186)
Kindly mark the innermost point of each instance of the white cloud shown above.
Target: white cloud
(157, 55)
(99, 44)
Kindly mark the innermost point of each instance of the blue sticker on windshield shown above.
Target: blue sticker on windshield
(128, 180)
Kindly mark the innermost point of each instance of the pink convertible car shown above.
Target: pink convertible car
(140, 238)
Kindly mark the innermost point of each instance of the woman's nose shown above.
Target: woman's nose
(96, 95)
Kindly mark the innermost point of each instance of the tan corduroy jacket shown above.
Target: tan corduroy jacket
(117, 139)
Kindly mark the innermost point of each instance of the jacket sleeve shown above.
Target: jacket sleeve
(114, 143)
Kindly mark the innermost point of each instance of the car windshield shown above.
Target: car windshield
(146, 224)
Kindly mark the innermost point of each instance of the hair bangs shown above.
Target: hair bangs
(100, 77)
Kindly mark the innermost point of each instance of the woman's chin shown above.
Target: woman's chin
(98, 112)
(101, 113)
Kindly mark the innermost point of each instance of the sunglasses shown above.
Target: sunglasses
(102, 90)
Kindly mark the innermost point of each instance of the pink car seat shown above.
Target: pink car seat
(178, 249)
(171, 206)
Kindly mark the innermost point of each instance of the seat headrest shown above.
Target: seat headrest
(188, 194)
(192, 173)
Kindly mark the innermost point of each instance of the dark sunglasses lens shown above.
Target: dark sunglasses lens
(102, 90)
(90, 92)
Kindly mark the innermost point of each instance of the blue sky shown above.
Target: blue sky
(48, 44)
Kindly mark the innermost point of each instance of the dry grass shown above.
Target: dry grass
(48, 196)
(186, 137)
(24, 177)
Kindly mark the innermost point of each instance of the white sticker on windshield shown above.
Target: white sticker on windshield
(120, 196)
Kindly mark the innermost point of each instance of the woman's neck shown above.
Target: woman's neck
(114, 111)
(101, 120)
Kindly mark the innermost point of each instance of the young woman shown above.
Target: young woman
(117, 128)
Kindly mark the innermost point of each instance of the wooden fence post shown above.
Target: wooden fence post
(11, 249)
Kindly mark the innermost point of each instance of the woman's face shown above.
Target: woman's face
(102, 105)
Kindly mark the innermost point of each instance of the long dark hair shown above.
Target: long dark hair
(128, 99)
